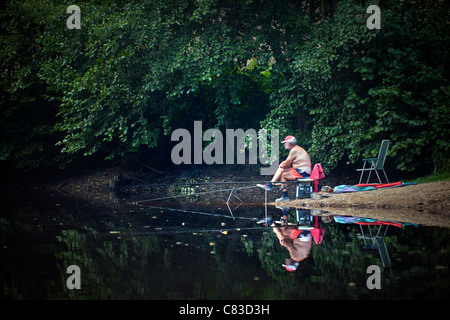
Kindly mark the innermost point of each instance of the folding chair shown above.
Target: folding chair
(304, 188)
(376, 163)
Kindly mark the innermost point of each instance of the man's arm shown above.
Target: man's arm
(288, 162)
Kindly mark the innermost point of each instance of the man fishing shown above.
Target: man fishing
(301, 167)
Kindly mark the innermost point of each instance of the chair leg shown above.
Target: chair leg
(372, 166)
(309, 190)
(378, 176)
(362, 172)
(386, 176)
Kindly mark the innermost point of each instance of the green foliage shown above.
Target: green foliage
(137, 70)
(26, 118)
(361, 86)
(440, 176)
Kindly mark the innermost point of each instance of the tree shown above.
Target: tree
(359, 86)
(26, 117)
(134, 68)
(136, 71)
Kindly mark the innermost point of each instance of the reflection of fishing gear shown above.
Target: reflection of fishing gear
(283, 224)
(198, 231)
(197, 212)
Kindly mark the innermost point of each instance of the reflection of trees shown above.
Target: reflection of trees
(420, 259)
(26, 268)
(37, 249)
(341, 264)
(337, 267)
(126, 265)
(110, 268)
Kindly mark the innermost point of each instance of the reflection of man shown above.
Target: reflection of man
(297, 242)
(301, 167)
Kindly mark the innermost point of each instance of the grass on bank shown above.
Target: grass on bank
(441, 176)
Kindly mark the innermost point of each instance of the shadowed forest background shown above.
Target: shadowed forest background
(116, 88)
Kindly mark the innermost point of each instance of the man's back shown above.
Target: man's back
(300, 159)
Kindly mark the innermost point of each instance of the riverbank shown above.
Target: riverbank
(432, 196)
(424, 203)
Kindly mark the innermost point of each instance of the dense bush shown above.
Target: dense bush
(137, 70)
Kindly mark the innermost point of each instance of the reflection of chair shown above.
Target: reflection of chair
(306, 221)
(304, 218)
(376, 242)
(376, 163)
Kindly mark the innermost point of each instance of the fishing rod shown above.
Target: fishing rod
(192, 194)
(204, 192)
(140, 202)
(196, 183)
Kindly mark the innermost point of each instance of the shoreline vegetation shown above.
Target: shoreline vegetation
(135, 73)
(426, 203)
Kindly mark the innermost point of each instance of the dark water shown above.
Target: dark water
(131, 252)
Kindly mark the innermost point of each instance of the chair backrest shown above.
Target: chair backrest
(382, 154)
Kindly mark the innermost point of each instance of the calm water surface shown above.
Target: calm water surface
(165, 252)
